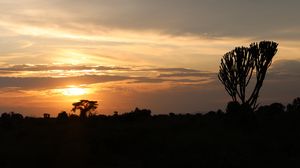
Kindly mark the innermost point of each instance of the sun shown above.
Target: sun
(74, 91)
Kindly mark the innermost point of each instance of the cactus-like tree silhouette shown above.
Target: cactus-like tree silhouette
(85, 107)
(239, 65)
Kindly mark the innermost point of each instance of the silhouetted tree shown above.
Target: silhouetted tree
(46, 115)
(13, 116)
(5, 116)
(137, 114)
(233, 107)
(172, 114)
(238, 66)
(86, 107)
(220, 112)
(277, 108)
(10, 119)
(73, 117)
(62, 115)
(295, 106)
(116, 114)
(270, 111)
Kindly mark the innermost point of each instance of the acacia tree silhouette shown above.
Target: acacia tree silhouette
(85, 107)
(238, 66)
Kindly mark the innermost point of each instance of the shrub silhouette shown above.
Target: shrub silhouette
(46, 115)
(295, 106)
(233, 107)
(238, 66)
(137, 114)
(11, 116)
(268, 111)
(277, 108)
(73, 117)
(85, 106)
(62, 115)
(5, 116)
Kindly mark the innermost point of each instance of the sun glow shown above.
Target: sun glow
(74, 91)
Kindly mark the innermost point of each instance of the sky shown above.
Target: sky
(160, 55)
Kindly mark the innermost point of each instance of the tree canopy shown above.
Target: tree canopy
(239, 65)
(86, 107)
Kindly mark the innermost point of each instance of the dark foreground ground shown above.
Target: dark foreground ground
(212, 140)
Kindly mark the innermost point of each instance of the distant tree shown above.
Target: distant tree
(137, 114)
(86, 107)
(46, 115)
(233, 107)
(73, 117)
(239, 65)
(5, 116)
(16, 116)
(12, 116)
(62, 115)
(295, 106)
(172, 114)
(269, 111)
(116, 114)
(277, 108)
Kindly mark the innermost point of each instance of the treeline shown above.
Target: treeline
(234, 110)
(236, 137)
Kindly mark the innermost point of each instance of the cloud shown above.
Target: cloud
(199, 74)
(183, 70)
(26, 67)
(178, 17)
(162, 33)
(161, 80)
(285, 68)
(36, 77)
(210, 18)
(283, 71)
(36, 83)
(69, 67)
(163, 90)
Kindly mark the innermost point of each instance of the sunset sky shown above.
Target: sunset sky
(158, 54)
